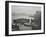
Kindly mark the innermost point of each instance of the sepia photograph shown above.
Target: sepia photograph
(25, 17)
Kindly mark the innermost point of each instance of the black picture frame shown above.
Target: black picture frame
(7, 17)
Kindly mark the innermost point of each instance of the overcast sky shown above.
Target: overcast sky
(24, 11)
